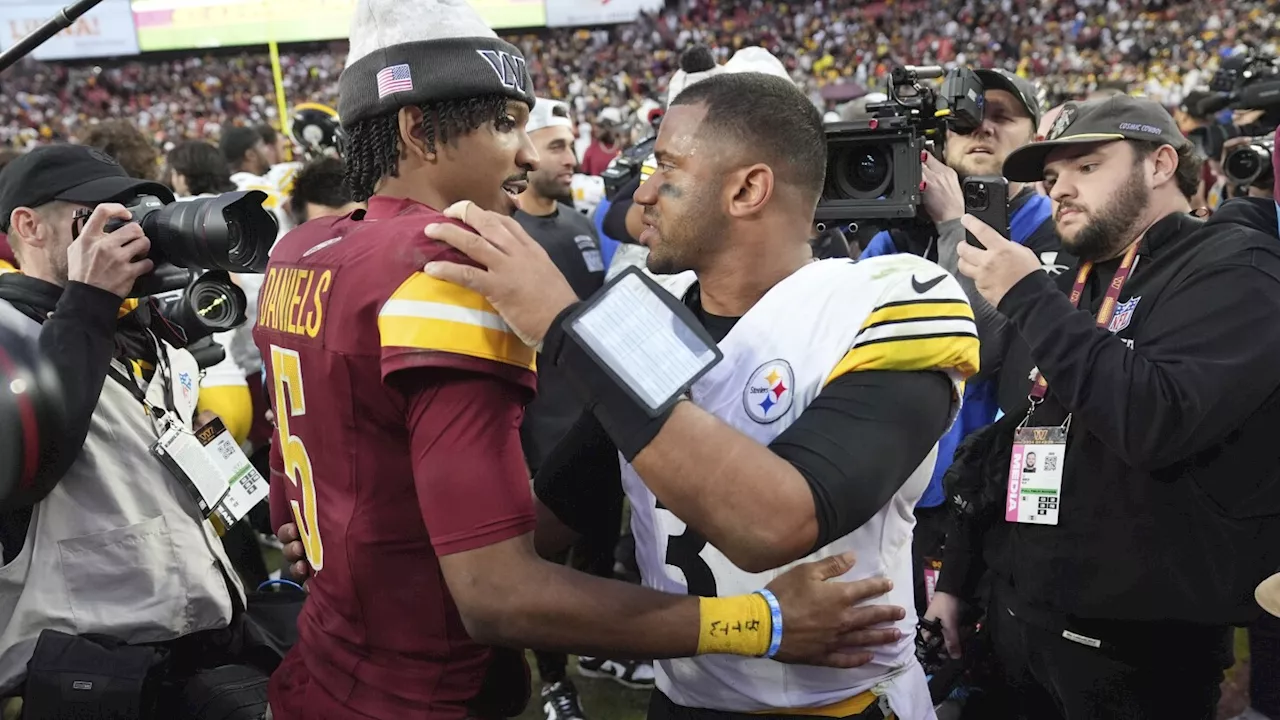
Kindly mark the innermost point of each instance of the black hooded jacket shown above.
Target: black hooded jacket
(1170, 505)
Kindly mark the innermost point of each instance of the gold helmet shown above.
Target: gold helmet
(315, 128)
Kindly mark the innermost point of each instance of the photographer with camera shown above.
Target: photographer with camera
(103, 540)
(1009, 120)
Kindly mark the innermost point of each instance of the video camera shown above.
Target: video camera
(627, 166)
(873, 165)
(1244, 82)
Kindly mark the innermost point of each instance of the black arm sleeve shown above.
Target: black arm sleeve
(580, 481)
(77, 340)
(615, 219)
(860, 439)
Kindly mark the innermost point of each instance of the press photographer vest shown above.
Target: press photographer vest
(118, 547)
(777, 358)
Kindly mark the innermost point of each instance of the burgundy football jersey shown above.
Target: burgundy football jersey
(365, 356)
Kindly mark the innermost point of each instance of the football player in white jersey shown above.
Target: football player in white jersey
(816, 434)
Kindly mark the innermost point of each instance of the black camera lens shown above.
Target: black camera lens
(211, 303)
(230, 232)
(864, 172)
(217, 305)
(1249, 164)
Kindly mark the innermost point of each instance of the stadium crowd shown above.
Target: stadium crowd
(837, 50)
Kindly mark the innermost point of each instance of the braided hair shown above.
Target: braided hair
(373, 149)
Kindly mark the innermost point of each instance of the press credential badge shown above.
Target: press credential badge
(1035, 475)
(215, 470)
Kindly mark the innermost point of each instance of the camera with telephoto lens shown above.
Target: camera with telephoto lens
(1251, 164)
(873, 165)
(230, 232)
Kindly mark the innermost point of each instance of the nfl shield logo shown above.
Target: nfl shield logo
(1124, 313)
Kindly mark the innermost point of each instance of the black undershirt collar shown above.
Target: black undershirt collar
(718, 326)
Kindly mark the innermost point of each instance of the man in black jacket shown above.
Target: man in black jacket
(1117, 578)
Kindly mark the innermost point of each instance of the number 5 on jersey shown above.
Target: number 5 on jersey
(291, 402)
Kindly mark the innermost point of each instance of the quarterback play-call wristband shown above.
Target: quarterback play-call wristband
(737, 625)
(632, 351)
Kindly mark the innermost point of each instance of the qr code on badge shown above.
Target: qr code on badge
(226, 450)
(1050, 463)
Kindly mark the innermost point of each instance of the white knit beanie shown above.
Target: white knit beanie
(409, 52)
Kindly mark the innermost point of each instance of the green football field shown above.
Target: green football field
(601, 699)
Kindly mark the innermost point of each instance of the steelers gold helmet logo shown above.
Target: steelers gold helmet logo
(769, 392)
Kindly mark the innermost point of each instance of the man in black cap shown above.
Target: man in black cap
(101, 537)
(1147, 384)
(42, 190)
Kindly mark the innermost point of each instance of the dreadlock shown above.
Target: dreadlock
(373, 145)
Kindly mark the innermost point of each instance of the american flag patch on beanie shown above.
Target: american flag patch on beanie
(394, 79)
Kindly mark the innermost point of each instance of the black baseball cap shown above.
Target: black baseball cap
(1116, 118)
(74, 173)
(1019, 87)
(1193, 104)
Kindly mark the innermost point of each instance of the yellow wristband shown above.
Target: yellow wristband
(738, 625)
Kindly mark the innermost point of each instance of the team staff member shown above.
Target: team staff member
(546, 213)
(1117, 580)
(398, 399)
(763, 468)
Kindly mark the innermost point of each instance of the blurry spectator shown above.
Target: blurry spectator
(276, 144)
(318, 191)
(245, 151)
(123, 141)
(606, 142)
(198, 168)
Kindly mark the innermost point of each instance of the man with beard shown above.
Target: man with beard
(1009, 121)
(817, 432)
(1150, 376)
(546, 213)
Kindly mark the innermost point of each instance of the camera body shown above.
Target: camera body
(873, 165)
(230, 232)
(210, 303)
(627, 166)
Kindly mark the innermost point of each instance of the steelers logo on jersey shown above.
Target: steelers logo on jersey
(769, 392)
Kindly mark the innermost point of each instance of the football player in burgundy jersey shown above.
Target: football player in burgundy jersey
(398, 400)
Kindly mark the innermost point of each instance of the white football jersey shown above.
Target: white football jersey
(829, 318)
(278, 185)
